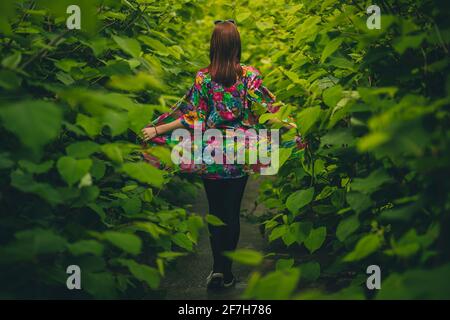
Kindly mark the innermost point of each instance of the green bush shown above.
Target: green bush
(73, 187)
(374, 108)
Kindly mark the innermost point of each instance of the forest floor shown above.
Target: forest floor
(186, 278)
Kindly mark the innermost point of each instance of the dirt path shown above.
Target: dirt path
(186, 278)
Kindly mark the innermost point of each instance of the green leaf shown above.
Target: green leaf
(342, 63)
(182, 240)
(194, 226)
(310, 271)
(330, 48)
(143, 272)
(37, 168)
(66, 65)
(372, 140)
(91, 125)
(136, 83)
(365, 247)
(284, 264)
(372, 182)
(86, 247)
(299, 199)
(132, 206)
(162, 153)
(264, 24)
(9, 80)
(31, 243)
(308, 30)
(98, 45)
(214, 220)
(266, 116)
(113, 152)
(278, 232)
(147, 195)
(42, 240)
(72, 170)
(315, 239)
(98, 169)
(5, 160)
(245, 256)
(307, 118)
(153, 229)
(129, 243)
(346, 227)
(401, 213)
(26, 183)
(101, 285)
(284, 155)
(144, 172)
(170, 255)
(158, 47)
(12, 61)
(337, 137)
(82, 149)
(139, 117)
(324, 209)
(331, 96)
(358, 201)
(290, 236)
(407, 246)
(243, 14)
(303, 231)
(405, 42)
(129, 45)
(35, 123)
(116, 121)
(65, 78)
(278, 285)
(129, 187)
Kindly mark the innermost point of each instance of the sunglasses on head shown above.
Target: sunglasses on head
(222, 21)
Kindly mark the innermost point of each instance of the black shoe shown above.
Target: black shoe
(229, 283)
(214, 281)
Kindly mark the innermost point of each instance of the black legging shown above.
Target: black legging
(224, 198)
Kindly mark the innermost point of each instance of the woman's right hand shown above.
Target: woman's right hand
(149, 133)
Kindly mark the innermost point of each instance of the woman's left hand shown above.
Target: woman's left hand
(149, 133)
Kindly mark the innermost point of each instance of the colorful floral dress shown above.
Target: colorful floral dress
(211, 105)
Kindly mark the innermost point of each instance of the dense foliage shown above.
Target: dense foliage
(374, 107)
(372, 187)
(73, 189)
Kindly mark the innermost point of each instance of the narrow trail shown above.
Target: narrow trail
(185, 279)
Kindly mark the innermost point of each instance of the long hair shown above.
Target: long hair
(225, 54)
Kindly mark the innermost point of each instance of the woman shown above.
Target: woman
(220, 98)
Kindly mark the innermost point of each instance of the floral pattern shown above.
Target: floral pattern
(214, 106)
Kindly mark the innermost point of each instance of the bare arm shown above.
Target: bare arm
(151, 132)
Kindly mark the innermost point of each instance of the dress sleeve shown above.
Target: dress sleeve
(258, 93)
(192, 107)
